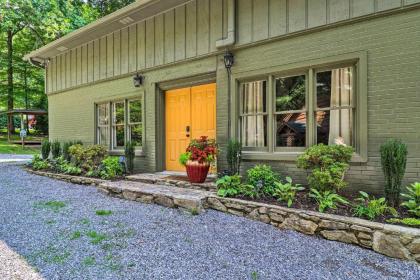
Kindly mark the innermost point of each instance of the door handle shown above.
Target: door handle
(187, 130)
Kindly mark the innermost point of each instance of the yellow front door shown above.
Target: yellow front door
(190, 113)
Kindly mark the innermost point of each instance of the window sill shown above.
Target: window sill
(288, 156)
(138, 153)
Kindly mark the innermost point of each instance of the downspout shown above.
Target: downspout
(226, 43)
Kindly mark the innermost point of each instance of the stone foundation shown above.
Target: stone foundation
(68, 178)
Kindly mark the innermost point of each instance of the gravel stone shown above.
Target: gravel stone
(148, 241)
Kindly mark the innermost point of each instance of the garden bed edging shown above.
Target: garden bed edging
(69, 178)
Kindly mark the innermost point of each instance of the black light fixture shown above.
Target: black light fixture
(229, 60)
(138, 80)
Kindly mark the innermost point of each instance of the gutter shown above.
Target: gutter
(231, 31)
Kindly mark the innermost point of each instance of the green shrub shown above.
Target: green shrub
(231, 186)
(328, 165)
(130, 150)
(184, 158)
(62, 166)
(233, 156)
(38, 163)
(286, 192)
(87, 158)
(406, 221)
(393, 161)
(263, 179)
(110, 168)
(66, 146)
(412, 197)
(55, 149)
(45, 149)
(371, 208)
(327, 199)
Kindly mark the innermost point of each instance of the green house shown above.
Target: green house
(304, 72)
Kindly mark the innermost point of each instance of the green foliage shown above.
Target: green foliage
(328, 165)
(129, 151)
(406, 221)
(286, 192)
(55, 149)
(371, 208)
(393, 161)
(75, 235)
(327, 199)
(38, 163)
(53, 205)
(66, 146)
(412, 197)
(103, 212)
(96, 238)
(184, 158)
(45, 149)
(110, 168)
(62, 166)
(231, 186)
(263, 179)
(233, 156)
(87, 158)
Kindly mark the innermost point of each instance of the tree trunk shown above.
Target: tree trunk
(10, 127)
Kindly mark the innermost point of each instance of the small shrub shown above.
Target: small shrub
(110, 168)
(130, 149)
(393, 161)
(65, 149)
(328, 165)
(371, 208)
(412, 197)
(62, 166)
(263, 179)
(184, 158)
(327, 199)
(233, 156)
(406, 221)
(231, 186)
(55, 149)
(45, 149)
(286, 192)
(87, 158)
(38, 163)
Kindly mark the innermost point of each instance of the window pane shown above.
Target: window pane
(103, 136)
(103, 114)
(291, 130)
(119, 136)
(290, 93)
(254, 97)
(334, 88)
(254, 131)
(118, 113)
(135, 111)
(136, 134)
(335, 126)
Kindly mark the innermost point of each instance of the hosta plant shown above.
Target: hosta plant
(263, 178)
(412, 197)
(231, 186)
(327, 199)
(286, 192)
(371, 207)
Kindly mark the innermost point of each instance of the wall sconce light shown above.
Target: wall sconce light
(138, 80)
(229, 60)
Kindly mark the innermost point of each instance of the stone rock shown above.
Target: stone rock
(104, 191)
(406, 238)
(389, 245)
(340, 235)
(216, 204)
(263, 210)
(332, 225)
(189, 204)
(276, 217)
(235, 212)
(145, 199)
(299, 224)
(235, 205)
(366, 243)
(414, 246)
(278, 211)
(364, 235)
(129, 195)
(115, 189)
(360, 228)
(309, 217)
(164, 201)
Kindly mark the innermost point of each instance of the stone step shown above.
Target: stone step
(169, 196)
(165, 179)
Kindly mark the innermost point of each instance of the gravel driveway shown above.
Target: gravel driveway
(54, 225)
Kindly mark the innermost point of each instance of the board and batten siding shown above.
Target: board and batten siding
(184, 32)
(191, 30)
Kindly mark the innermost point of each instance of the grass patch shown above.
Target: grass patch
(50, 222)
(89, 261)
(75, 235)
(51, 205)
(194, 211)
(254, 275)
(51, 255)
(84, 221)
(103, 212)
(96, 238)
(10, 148)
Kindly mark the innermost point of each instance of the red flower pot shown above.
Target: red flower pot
(197, 172)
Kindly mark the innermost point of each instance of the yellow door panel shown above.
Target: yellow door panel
(203, 111)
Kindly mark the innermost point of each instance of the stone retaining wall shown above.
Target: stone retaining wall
(69, 178)
(391, 240)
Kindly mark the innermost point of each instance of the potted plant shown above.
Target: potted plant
(199, 155)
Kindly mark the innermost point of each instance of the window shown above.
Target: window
(301, 113)
(125, 125)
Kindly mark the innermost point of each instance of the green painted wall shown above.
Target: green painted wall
(391, 43)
